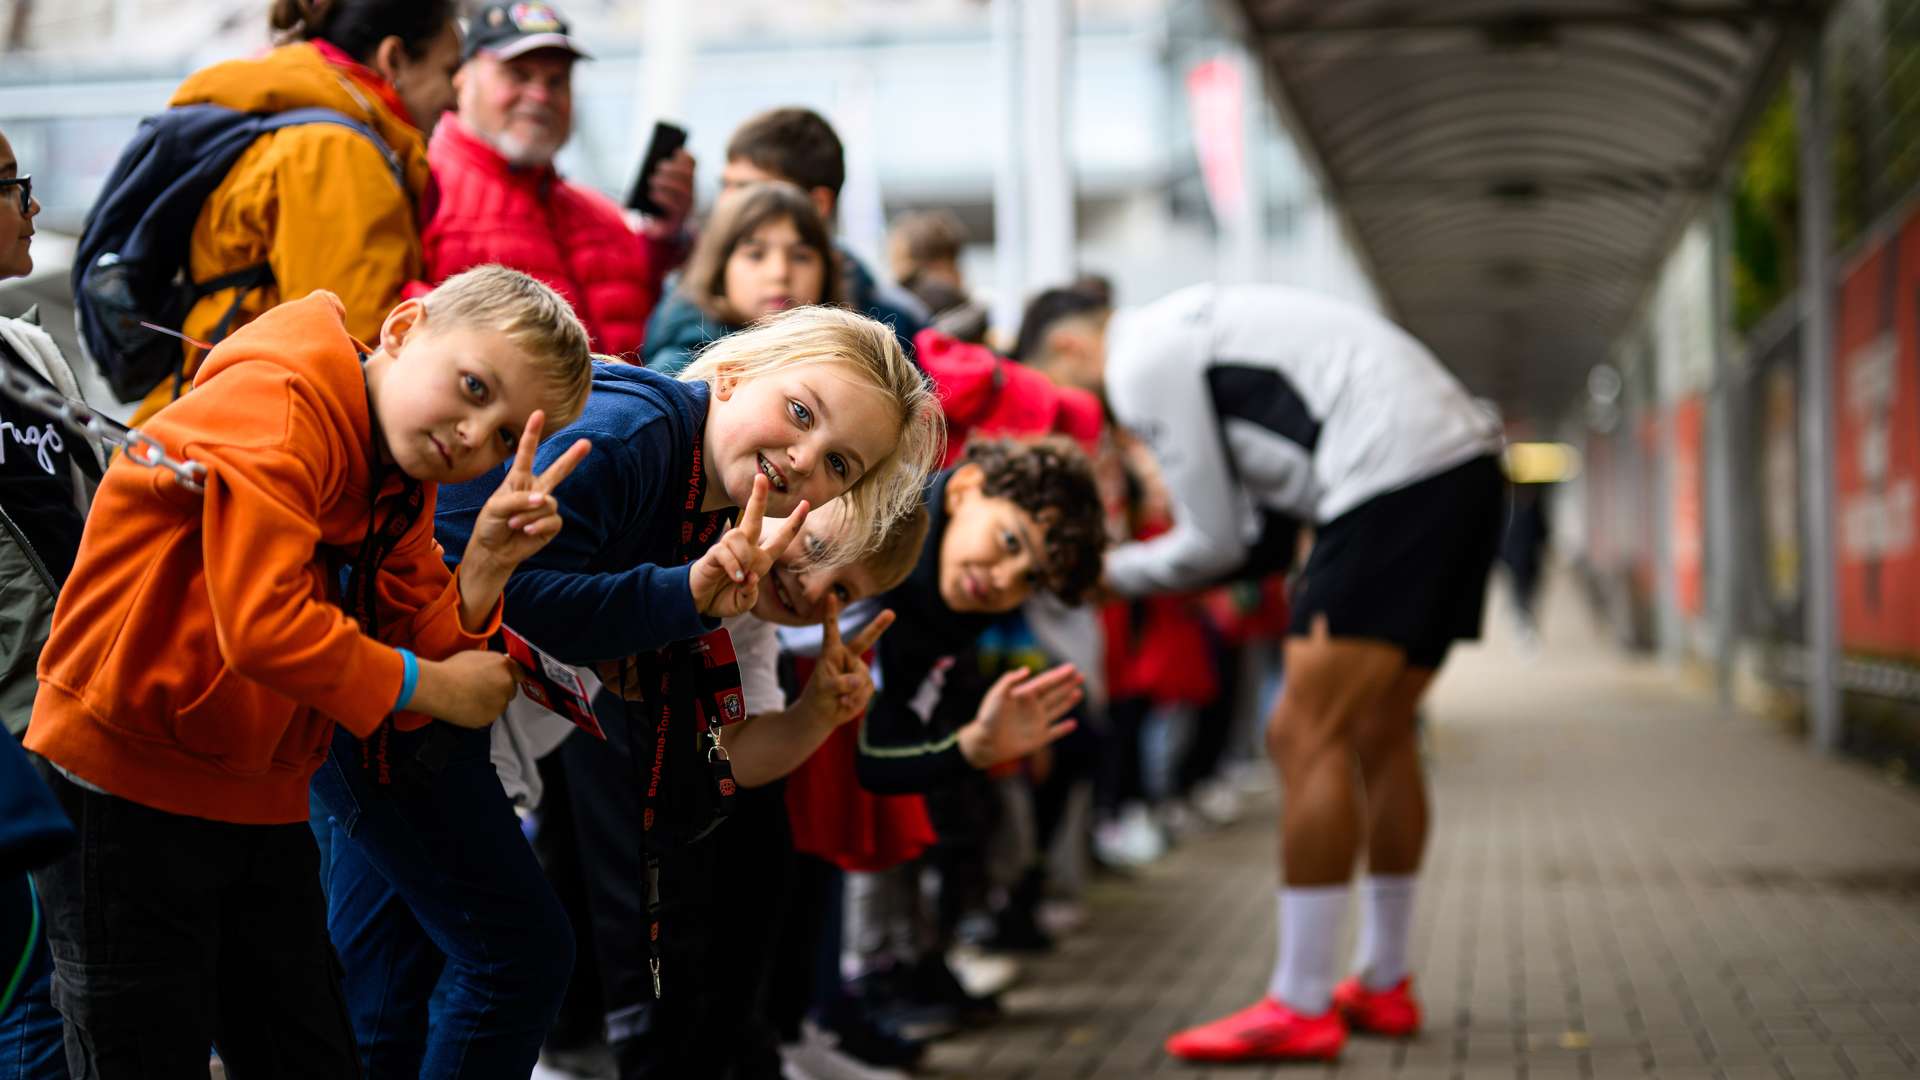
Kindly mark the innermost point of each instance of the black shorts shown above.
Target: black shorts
(1409, 566)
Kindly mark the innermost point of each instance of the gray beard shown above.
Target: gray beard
(522, 153)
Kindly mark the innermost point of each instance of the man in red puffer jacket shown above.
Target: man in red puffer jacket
(499, 199)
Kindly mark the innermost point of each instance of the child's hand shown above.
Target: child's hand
(1019, 714)
(470, 689)
(841, 685)
(522, 515)
(726, 580)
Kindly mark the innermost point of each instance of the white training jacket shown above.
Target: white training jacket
(1262, 398)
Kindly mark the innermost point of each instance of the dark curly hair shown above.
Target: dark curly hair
(1052, 480)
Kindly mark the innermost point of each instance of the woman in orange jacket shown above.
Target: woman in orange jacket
(319, 203)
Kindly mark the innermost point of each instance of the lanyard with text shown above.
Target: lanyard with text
(698, 679)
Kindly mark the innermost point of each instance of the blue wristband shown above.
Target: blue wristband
(409, 679)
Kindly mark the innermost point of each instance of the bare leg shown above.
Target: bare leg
(1396, 788)
(1331, 683)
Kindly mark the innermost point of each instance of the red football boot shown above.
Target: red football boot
(1264, 1031)
(1393, 1013)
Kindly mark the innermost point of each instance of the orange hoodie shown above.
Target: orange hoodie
(196, 664)
(316, 202)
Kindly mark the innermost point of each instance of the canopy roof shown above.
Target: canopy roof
(1515, 171)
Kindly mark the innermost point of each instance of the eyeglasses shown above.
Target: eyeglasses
(25, 184)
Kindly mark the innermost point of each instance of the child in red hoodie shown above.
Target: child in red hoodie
(202, 653)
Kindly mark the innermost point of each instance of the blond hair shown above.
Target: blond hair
(539, 322)
(892, 486)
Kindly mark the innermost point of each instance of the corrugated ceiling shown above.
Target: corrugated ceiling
(1517, 171)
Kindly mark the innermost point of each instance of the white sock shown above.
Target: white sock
(1386, 924)
(1304, 972)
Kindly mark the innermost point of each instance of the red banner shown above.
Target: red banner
(1685, 531)
(1216, 95)
(1877, 450)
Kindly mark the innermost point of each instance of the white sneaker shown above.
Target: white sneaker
(1216, 802)
(1062, 918)
(1132, 840)
(982, 974)
(1177, 820)
(817, 1057)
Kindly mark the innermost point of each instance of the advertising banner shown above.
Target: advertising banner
(1216, 96)
(1686, 520)
(1877, 452)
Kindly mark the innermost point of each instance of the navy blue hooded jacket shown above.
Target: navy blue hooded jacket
(608, 587)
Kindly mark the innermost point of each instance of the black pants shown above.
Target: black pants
(671, 1036)
(1213, 724)
(1076, 759)
(1119, 780)
(172, 933)
(753, 871)
(582, 1019)
(964, 812)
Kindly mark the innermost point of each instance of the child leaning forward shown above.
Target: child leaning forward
(201, 655)
(809, 406)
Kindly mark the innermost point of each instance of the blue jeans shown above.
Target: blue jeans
(439, 910)
(31, 1045)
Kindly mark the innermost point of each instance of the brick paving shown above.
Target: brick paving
(1624, 882)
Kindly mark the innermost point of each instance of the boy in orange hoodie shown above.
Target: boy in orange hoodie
(203, 651)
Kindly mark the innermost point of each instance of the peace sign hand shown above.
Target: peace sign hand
(1019, 715)
(522, 515)
(726, 580)
(841, 686)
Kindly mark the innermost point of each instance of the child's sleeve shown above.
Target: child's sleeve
(555, 599)
(260, 528)
(910, 738)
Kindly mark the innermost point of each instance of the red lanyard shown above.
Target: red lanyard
(691, 679)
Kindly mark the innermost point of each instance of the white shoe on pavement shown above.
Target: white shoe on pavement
(982, 974)
(1131, 840)
(1062, 918)
(1177, 820)
(817, 1056)
(1216, 802)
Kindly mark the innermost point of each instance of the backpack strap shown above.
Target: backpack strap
(260, 275)
(297, 117)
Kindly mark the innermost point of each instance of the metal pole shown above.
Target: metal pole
(1817, 436)
(663, 74)
(1009, 189)
(1723, 552)
(1046, 58)
(1248, 241)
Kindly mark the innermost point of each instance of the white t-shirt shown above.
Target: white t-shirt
(525, 733)
(1260, 397)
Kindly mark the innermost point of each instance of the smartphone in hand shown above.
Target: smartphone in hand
(666, 141)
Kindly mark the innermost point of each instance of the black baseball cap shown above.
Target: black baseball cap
(510, 30)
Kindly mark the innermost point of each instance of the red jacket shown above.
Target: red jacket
(1157, 646)
(571, 237)
(981, 391)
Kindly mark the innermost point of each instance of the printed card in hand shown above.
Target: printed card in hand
(550, 684)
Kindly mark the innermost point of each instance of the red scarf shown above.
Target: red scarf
(366, 77)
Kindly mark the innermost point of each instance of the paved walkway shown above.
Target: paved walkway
(1623, 883)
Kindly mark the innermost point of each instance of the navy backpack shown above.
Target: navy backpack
(131, 265)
